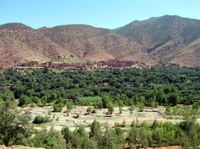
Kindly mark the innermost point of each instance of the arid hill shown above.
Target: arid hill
(95, 44)
(167, 39)
(20, 43)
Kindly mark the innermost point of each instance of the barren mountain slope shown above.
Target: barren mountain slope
(97, 44)
(19, 43)
(168, 39)
(165, 37)
(189, 55)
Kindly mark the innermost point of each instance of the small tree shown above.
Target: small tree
(24, 100)
(124, 123)
(120, 110)
(141, 106)
(41, 119)
(14, 127)
(89, 109)
(57, 107)
(69, 105)
(48, 139)
(110, 107)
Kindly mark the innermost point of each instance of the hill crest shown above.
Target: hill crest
(166, 39)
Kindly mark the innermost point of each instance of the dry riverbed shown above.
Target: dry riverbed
(79, 116)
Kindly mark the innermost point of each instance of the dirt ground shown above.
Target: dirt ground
(61, 119)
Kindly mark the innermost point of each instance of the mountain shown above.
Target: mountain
(166, 38)
(20, 43)
(96, 44)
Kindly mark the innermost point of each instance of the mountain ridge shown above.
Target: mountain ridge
(166, 39)
(164, 36)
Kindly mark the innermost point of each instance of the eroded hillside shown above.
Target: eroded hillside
(167, 39)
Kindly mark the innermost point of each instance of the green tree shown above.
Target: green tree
(141, 106)
(190, 128)
(89, 109)
(173, 99)
(95, 131)
(49, 139)
(158, 136)
(120, 110)
(24, 100)
(67, 134)
(111, 141)
(57, 107)
(69, 105)
(14, 127)
(133, 134)
(110, 107)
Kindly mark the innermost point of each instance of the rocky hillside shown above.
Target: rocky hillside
(96, 44)
(20, 43)
(167, 39)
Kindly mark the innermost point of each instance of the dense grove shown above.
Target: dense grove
(103, 88)
(151, 87)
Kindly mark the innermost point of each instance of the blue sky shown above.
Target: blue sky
(98, 13)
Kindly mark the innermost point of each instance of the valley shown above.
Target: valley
(79, 86)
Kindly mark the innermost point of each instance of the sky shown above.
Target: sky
(109, 14)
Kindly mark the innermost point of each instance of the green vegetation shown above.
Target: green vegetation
(14, 127)
(185, 133)
(106, 88)
(41, 119)
(49, 139)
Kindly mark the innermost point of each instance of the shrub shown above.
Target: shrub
(41, 119)
(86, 101)
(14, 127)
(89, 109)
(24, 100)
(57, 107)
(48, 139)
(94, 111)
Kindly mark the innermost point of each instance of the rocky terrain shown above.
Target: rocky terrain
(166, 39)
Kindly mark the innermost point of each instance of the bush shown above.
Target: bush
(24, 100)
(124, 123)
(69, 105)
(40, 119)
(86, 101)
(48, 139)
(89, 109)
(14, 127)
(57, 107)
(94, 111)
